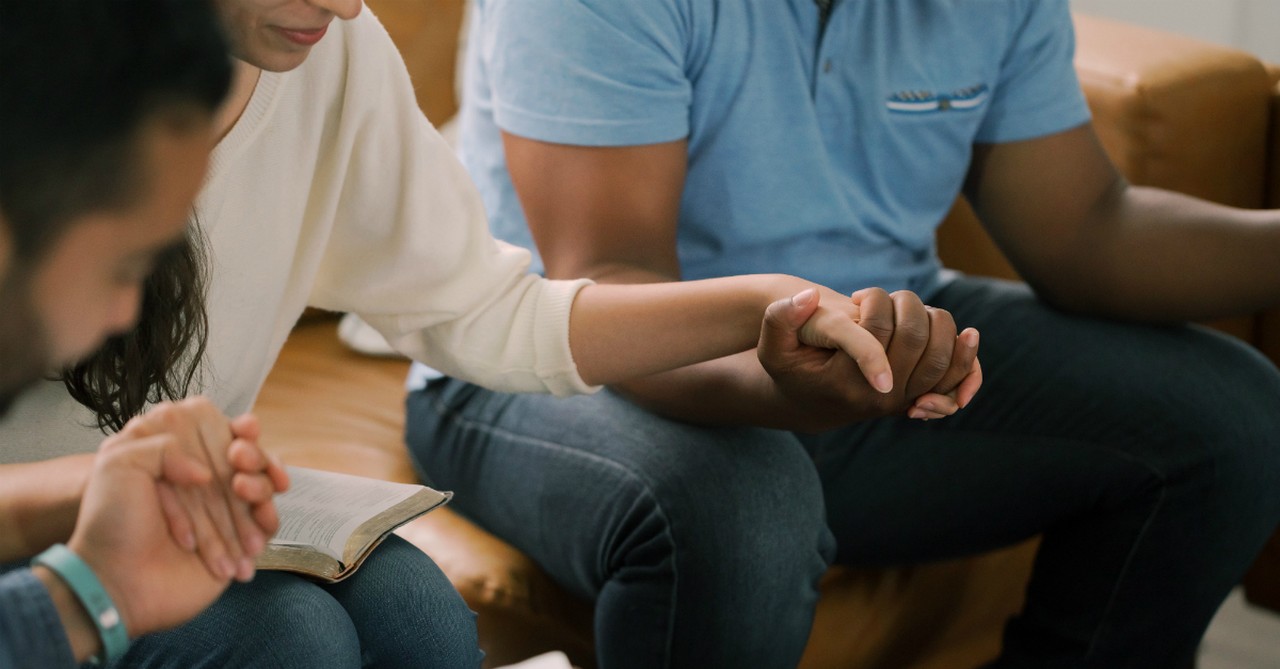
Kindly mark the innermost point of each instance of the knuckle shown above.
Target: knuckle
(160, 415)
(912, 334)
(934, 365)
(112, 443)
(906, 298)
(942, 318)
(162, 412)
(880, 328)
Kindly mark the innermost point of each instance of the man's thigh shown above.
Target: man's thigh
(583, 483)
(1075, 414)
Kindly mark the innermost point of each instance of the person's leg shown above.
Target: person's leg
(276, 621)
(700, 547)
(406, 612)
(1148, 457)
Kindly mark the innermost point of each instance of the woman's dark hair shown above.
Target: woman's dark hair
(160, 356)
(80, 80)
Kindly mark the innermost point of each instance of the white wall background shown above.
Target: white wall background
(1252, 25)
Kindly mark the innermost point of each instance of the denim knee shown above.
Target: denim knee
(712, 553)
(1221, 430)
(407, 613)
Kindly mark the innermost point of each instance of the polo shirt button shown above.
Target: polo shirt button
(826, 65)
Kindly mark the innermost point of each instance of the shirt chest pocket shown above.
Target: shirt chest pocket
(922, 140)
(922, 102)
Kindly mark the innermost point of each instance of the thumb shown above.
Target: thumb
(784, 318)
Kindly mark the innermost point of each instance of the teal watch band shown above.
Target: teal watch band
(88, 589)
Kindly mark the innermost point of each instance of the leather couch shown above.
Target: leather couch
(1172, 112)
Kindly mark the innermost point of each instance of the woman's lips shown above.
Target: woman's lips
(303, 37)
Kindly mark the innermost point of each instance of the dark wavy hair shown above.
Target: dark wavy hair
(160, 357)
(80, 80)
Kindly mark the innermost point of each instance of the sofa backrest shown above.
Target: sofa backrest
(427, 34)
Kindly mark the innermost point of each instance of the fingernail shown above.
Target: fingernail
(916, 414)
(189, 541)
(226, 568)
(803, 297)
(972, 340)
(883, 382)
(928, 406)
(246, 569)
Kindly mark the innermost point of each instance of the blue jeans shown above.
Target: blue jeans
(397, 610)
(1147, 457)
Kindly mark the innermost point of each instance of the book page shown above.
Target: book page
(321, 509)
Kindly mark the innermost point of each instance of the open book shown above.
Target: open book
(329, 523)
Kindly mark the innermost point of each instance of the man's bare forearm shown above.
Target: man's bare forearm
(729, 391)
(736, 391)
(39, 502)
(1154, 255)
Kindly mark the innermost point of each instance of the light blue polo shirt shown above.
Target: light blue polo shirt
(830, 155)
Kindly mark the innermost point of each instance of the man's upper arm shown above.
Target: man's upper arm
(1039, 200)
(1037, 169)
(609, 213)
(593, 123)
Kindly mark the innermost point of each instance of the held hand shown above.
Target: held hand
(958, 386)
(827, 383)
(831, 389)
(941, 369)
(216, 520)
(832, 322)
(258, 475)
(121, 533)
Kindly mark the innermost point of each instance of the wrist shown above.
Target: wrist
(781, 286)
(83, 472)
(83, 604)
(80, 630)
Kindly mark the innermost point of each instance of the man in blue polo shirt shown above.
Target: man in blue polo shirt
(648, 141)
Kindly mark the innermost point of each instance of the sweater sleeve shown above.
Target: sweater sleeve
(410, 249)
(31, 633)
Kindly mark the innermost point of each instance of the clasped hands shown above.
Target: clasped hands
(179, 503)
(838, 359)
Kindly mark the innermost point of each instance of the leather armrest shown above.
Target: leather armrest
(1175, 112)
